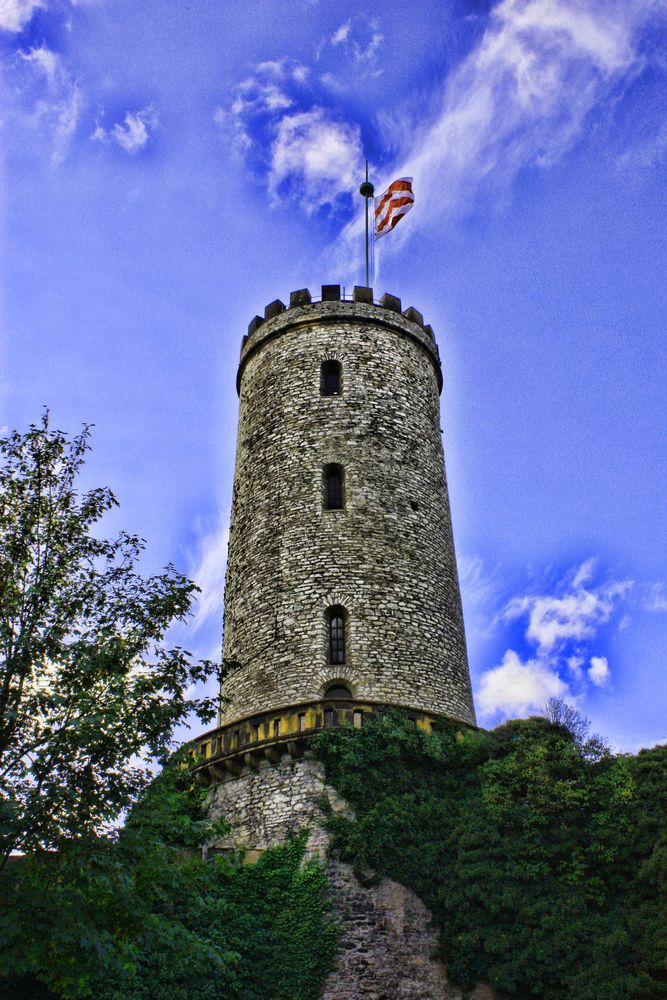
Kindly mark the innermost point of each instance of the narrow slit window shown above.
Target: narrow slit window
(276, 727)
(330, 384)
(336, 621)
(333, 487)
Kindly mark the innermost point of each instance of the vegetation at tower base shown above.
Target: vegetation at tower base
(89, 692)
(144, 917)
(542, 859)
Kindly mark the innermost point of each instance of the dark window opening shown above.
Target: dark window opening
(276, 727)
(333, 487)
(330, 378)
(302, 722)
(338, 691)
(203, 748)
(414, 505)
(336, 622)
(329, 718)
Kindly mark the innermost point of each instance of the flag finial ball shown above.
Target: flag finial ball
(366, 189)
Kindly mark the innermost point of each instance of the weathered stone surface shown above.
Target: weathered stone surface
(267, 804)
(387, 557)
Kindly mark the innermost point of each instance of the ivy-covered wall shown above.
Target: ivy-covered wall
(542, 860)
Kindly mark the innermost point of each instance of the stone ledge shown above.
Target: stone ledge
(245, 745)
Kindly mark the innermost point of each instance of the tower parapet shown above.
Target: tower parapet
(342, 590)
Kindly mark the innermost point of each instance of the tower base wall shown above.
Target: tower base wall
(387, 941)
(265, 806)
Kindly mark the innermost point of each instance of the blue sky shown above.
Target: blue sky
(170, 167)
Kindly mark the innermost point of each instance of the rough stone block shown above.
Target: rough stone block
(414, 315)
(391, 302)
(363, 294)
(274, 309)
(300, 298)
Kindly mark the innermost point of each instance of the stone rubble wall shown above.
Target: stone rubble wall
(387, 557)
(387, 945)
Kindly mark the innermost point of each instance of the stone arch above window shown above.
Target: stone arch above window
(338, 691)
(336, 622)
(334, 487)
(331, 377)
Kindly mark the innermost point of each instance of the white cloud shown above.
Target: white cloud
(574, 665)
(560, 627)
(314, 159)
(46, 61)
(573, 616)
(133, 133)
(584, 573)
(598, 671)
(15, 14)
(517, 688)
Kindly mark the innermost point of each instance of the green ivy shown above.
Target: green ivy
(143, 917)
(543, 864)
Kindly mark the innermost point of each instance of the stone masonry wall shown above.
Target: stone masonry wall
(387, 557)
(265, 806)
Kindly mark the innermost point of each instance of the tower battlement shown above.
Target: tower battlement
(329, 307)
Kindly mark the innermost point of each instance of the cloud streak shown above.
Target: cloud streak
(58, 110)
(520, 99)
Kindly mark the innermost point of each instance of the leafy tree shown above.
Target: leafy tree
(143, 916)
(89, 692)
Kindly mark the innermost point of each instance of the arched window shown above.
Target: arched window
(337, 692)
(333, 487)
(330, 380)
(336, 627)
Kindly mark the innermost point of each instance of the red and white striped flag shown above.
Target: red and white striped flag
(392, 205)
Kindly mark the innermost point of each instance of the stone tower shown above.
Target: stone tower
(342, 591)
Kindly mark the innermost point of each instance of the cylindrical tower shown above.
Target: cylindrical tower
(341, 576)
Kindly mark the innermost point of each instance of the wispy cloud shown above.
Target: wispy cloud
(598, 672)
(16, 14)
(58, 108)
(133, 133)
(208, 571)
(560, 629)
(520, 98)
(657, 598)
(342, 34)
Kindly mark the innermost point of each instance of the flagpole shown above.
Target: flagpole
(367, 191)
